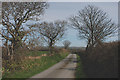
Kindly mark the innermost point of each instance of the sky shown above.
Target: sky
(63, 10)
(60, 0)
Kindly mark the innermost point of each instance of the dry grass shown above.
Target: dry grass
(36, 57)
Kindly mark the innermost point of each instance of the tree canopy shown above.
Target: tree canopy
(93, 25)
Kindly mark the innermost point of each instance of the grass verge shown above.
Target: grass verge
(79, 71)
(31, 67)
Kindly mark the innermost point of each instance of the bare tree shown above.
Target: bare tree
(52, 31)
(66, 44)
(93, 25)
(34, 39)
(14, 17)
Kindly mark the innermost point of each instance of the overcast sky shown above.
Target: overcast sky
(63, 10)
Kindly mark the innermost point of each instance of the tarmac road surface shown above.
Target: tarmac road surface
(64, 69)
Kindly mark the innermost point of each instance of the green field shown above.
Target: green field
(36, 53)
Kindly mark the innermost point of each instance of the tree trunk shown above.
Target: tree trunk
(7, 46)
(88, 45)
(12, 52)
(50, 47)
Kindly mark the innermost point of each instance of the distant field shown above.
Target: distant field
(36, 53)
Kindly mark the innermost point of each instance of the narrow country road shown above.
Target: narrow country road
(63, 69)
